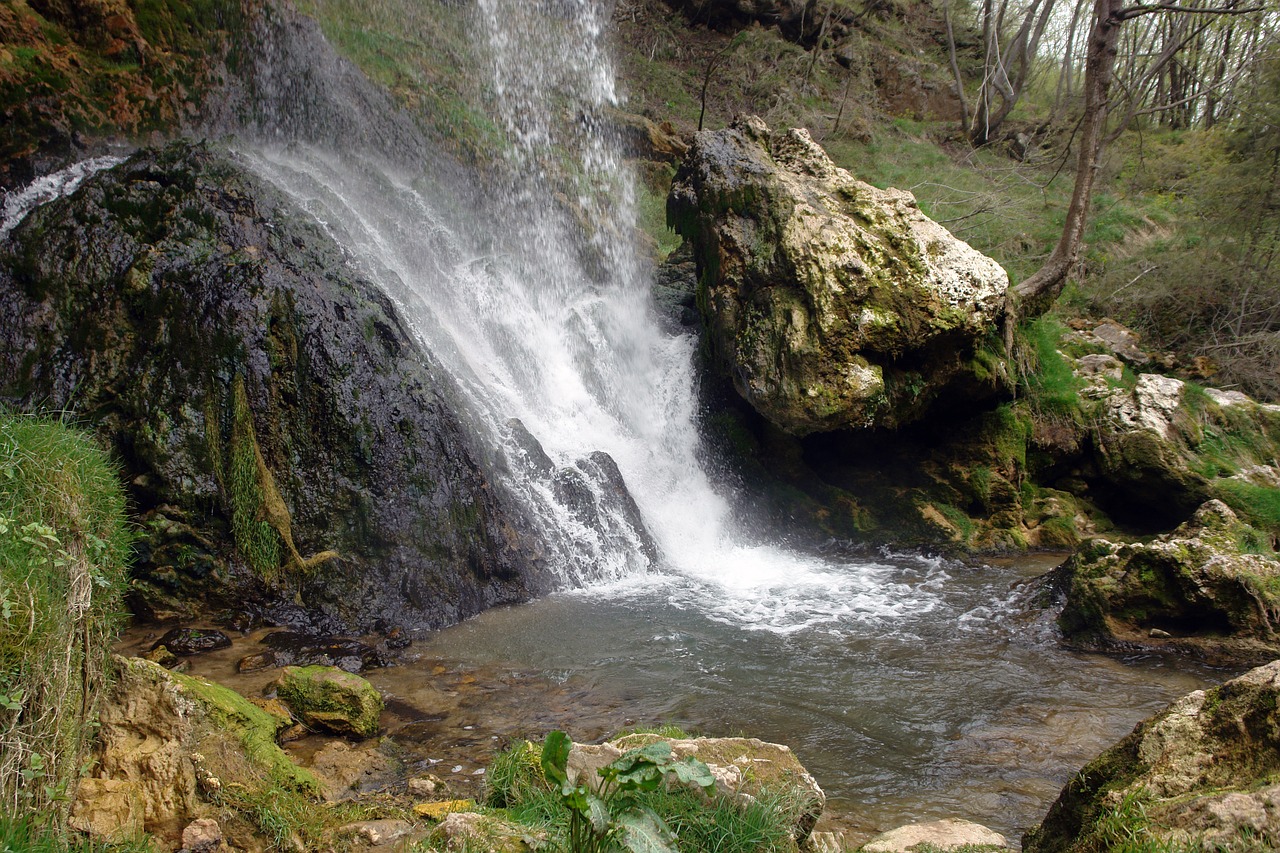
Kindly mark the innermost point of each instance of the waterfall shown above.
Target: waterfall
(536, 302)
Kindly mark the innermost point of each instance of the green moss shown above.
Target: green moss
(330, 697)
(1258, 505)
(254, 535)
(253, 728)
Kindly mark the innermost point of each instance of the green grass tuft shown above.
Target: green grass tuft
(64, 548)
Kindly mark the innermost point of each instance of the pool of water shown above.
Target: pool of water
(941, 692)
(912, 688)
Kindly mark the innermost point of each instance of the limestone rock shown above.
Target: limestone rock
(940, 835)
(202, 835)
(331, 699)
(378, 833)
(1194, 590)
(463, 831)
(166, 743)
(829, 303)
(741, 766)
(344, 770)
(1197, 774)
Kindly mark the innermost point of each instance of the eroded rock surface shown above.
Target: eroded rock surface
(1197, 590)
(830, 303)
(1199, 774)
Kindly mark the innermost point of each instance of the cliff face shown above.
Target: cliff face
(286, 439)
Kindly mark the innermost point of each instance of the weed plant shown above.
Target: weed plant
(519, 787)
(64, 547)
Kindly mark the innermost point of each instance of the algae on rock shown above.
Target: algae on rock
(830, 303)
(267, 404)
(1197, 590)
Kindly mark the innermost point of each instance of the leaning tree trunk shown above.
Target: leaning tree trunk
(1035, 295)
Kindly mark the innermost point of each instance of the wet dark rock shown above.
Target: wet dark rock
(256, 662)
(285, 436)
(292, 649)
(192, 641)
(675, 290)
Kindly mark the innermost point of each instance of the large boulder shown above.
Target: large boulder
(831, 304)
(285, 436)
(1198, 590)
(168, 746)
(1199, 775)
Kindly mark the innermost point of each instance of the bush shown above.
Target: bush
(64, 546)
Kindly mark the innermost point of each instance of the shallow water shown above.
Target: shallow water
(950, 698)
(947, 696)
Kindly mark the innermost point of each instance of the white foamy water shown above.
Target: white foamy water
(19, 203)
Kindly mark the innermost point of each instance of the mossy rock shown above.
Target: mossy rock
(829, 303)
(1200, 775)
(1197, 590)
(331, 699)
(285, 436)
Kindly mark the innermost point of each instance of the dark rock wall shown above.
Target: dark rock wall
(268, 404)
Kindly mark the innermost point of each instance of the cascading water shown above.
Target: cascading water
(538, 306)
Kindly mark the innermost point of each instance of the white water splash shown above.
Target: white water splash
(19, 203)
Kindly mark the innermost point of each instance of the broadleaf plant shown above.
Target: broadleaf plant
(609, 818)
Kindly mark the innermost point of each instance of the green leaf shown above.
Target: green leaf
(598, 814)
(691, 771)
(645, 832)
(555, 757)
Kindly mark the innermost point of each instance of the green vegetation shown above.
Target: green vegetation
(64, 548)
(645, 800)
(22, 835)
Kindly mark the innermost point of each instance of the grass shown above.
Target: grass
(23, 835)
(64, 548)
(519, 792)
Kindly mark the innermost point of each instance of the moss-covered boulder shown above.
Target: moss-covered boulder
(1199, 775)
(830, 303)
(1210, 588)
(171, 749)
(286, 438)
(332, 699)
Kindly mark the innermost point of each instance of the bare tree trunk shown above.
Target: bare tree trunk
(1035, 295)
(955, 65)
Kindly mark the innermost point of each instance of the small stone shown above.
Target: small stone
(946, 834)
(202, 836)
(379, 832)
(424, 785)
(193, 641)
(162, 656)
(256, 662)
(294, 732)
(1157, 634)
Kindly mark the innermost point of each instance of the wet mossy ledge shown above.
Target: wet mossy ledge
(289, 447)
